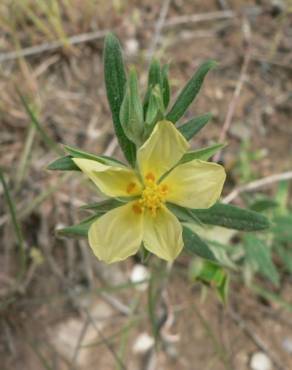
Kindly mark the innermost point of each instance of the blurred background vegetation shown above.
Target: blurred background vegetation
(62, 309)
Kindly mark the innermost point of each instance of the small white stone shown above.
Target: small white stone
(139, 274)
(132, 47)
(143, 343)
(260, 361)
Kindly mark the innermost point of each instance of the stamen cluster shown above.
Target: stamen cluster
(153, 196)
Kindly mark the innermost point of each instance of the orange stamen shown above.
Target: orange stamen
(137, 208)
(131, 187)
(150, 176)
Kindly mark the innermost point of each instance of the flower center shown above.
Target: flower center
(153, 196)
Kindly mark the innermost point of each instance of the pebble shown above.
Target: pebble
(143, 343)
(260, 361)
(140, 273)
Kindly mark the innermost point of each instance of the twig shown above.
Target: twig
(90, 36)
(257, 184)
(234, 101)
(105, 340)
(255, 338)
(79, 342)
(111, 147)
(195, 18)
(158, 28)
(50, 46)
(115, 303)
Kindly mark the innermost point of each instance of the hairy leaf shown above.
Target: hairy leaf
(165, 86)
(77, 153)
(115, 80)
(189, 92)
(80, 229)
(225, 215)
(203, 154)
(131, 113)
(194, 125)
(63, 164)
(259, 256)
(195, 245)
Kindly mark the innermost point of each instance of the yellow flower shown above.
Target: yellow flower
(159, 179)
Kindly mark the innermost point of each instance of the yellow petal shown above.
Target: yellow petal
(117, 234)
(195, 184)
(162, 234)
(112, 181)
(163, 149)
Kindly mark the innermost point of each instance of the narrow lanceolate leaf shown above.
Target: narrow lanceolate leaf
(66, 163)
(258, 254)
(152, 111)
(203, 154)
(77, 153)
(80, 229)
(131, 112)
(189, 92)
(115, 80)
(194, 125)
(63, 164)
(228, 216)
(153, 80)
(195, 245)
(165, 86)
(103, 206)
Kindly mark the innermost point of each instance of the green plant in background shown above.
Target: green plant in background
(260, 248)
(162, 174)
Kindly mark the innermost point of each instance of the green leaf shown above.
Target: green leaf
(226, 215)
(286, 256)
(259, 256)
(154, 74)
(154, 77)
(77, 153)
(211, 274)
(131, 113)
(152, 110)
(203, 154)
(115, 80)
(195, 245)
(153, 299)
(223, 288)
(103, 206)
(282, 229)
(282, 197)
(262, 205)
(184, 214)
(189, 92)
(63, 164)
(99, 208)
(194, 125)
(80, 229)
(165, 85)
